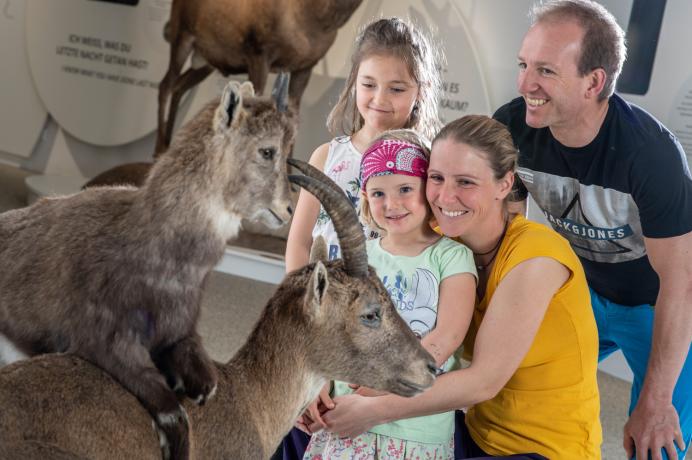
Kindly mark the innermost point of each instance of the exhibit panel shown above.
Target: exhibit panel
(97, 64)
(22, 114)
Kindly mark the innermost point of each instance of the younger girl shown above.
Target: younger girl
(394, 83)
(431, 280)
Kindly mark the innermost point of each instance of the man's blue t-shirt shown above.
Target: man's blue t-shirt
(632, 181)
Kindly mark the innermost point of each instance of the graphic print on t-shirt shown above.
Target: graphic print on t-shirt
(601, 224)
(415, 299)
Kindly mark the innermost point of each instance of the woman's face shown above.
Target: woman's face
(461, 188)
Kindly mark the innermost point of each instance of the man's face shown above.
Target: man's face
(548, 78)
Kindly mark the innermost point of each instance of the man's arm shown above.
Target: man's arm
(654, 423)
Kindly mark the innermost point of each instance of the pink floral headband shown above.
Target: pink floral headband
(391, 156)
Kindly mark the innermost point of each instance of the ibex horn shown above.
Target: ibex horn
(346, 224)
(280, 91)
(311, 171)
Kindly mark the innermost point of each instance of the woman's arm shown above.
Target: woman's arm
(454, 310)
(307, 209)
(505, 336)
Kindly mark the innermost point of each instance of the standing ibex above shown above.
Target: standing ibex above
(115, 275)
(332, 320)
(239, 36)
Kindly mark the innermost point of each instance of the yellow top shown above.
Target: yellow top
(550, 405)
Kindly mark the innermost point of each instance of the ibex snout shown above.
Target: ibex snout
(282, 205)
(417, 376)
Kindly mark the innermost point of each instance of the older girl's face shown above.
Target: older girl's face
(461, 188)
(385, 92)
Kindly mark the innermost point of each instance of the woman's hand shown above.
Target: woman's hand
(352, 415)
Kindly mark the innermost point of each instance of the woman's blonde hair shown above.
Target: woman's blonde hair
(488, 136)
(399, 38)
(404, 135)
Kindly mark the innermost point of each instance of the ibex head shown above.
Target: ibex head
(256, 133)
(357, 334)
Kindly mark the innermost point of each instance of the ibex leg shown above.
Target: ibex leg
(188, 80)
(257, 72)
(189, 369)
(130, 364)
(296, 87)
(181, 48)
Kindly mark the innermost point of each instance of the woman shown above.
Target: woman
(531, 387)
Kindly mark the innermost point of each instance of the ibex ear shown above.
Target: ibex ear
(246, 89)
(231, 105)
(318, 251)
(317, 287)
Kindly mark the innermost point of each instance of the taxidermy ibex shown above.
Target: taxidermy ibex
(114, 275)
(238, 36)
(328, 320)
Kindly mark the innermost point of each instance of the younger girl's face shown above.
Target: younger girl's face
(397, 203)
(385, 92)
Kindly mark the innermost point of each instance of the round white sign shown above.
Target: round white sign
(97, 64)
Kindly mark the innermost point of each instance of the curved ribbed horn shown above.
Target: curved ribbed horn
(280, 91)
(345, 220)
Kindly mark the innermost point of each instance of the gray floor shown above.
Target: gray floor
(231, 305)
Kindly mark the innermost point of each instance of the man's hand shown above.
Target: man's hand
(653, 426)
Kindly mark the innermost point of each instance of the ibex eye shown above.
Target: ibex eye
(371, 319)
(268, 153)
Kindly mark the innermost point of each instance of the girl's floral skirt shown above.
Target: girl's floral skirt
(369, 446)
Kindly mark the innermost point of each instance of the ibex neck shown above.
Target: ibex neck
(188, 195)
(273, 368)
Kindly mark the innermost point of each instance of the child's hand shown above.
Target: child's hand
(365, 391)
(303, 423)
(311, 420)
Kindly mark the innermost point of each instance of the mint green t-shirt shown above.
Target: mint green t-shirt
(414, 286)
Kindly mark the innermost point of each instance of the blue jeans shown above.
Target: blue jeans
(630, 329)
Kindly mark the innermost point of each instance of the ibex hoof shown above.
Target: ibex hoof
(200, 400)
(199, 386)
(172, 428)
(164, 444)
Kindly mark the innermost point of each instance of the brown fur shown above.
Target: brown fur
(114, 275)
(126, 174)
(312, 329)
(240, 36)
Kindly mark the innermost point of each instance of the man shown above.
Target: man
(615, 182)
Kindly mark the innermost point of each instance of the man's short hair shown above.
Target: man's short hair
(603, 45)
